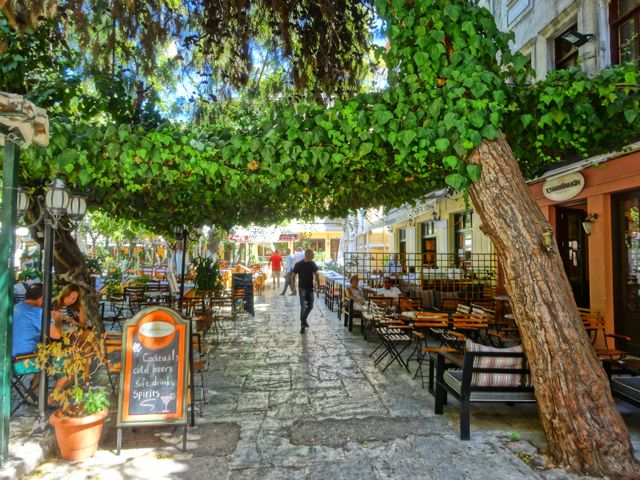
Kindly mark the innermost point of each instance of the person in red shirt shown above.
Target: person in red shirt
(275, 262)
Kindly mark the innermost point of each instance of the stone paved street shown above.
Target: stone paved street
(289, 406)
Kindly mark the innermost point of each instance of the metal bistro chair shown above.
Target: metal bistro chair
(394, 337)
(23, 368)
(134, 298)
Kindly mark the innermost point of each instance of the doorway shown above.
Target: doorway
(626, 274)
(573, 247)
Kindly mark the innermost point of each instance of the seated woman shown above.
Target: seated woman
(355, 293)
(69, 304)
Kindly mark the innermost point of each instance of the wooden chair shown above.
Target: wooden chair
(113, 363)
(239, 311)
(382, 302)
(451, 304)
(470, 324)
(408, 304)
(462, 308)
(485, 303)
(199, 365)
(134, 298)
(425, 325)
(595, 326)
(223, 312)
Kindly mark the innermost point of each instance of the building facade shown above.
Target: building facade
(603, 266)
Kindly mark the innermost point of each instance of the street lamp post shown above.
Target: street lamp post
(21, 123)
(182, 234)
(57, 204)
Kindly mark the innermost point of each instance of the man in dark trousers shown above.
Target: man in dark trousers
(305, 270)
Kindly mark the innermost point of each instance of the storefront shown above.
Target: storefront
(594, 207)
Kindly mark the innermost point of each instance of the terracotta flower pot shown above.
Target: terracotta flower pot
(78, 437)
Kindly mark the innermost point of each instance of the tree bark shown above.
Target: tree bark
(582, 424)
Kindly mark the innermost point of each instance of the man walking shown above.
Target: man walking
(288, 270)
(275, 262)
(305, 271)
(298, 256)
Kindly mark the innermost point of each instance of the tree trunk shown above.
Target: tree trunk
(68, 263)
(582, 424)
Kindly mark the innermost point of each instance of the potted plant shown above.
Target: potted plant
(83, 408)
(208, 277)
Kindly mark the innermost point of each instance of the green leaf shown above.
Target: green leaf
(421, 58)
(476, 119)
(451, 162)
(381, 117)
(526, 119)
(630, 115)
(452, 11)
(490, 132)
(436, 51)
(365, 148)
(407, 136)
(631, 77)
(442, 144)
(456, 181)
(474, 171)
(468, 28)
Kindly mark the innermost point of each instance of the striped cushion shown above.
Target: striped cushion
(496, 379)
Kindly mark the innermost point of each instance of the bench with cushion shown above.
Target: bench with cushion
(627, 388)
(488, 375)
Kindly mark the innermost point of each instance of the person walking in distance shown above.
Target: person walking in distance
(275, 262)
(305, 271)
(298, 256)
(288, 270)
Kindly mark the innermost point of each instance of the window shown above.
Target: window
(624, 24)
(429, 243)
(566, 54)
(463, 236)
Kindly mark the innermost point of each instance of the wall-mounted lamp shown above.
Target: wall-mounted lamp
(434, 216)
(412, 222)
(588, 223)
(577, 39)
(389, 228)
(547, 239)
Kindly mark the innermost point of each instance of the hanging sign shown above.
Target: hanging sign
(289, 237)
(155, 365)
(564, 187)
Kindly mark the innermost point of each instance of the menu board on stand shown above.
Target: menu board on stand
(154, 374)
(244, 281)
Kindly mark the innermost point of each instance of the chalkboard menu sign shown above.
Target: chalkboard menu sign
(153, 379)
(244, 281)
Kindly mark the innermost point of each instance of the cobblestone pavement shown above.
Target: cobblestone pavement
(282, 405)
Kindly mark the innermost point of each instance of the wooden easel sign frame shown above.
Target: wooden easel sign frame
(155, 368)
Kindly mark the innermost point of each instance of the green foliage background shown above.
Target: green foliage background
(452, 83)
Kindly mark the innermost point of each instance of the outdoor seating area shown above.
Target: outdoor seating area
(457, 330)
(212, 315)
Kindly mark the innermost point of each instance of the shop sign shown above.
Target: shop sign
(288, 237)
(238, 238)
(564, 187)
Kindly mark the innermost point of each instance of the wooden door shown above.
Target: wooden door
(573, 245)
(626, 258)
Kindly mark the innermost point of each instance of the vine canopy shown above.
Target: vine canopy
(452, 84)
